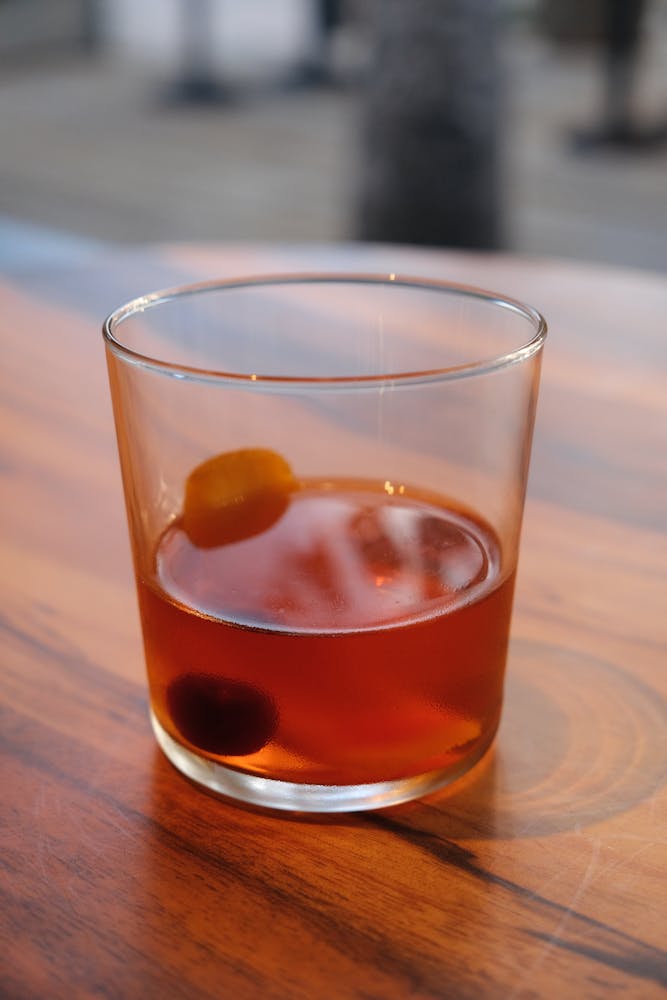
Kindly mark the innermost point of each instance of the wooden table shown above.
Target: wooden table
(541, 874)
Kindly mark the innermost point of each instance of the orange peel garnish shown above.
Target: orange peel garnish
(236, 495)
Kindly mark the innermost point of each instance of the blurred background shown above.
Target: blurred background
(536, 126)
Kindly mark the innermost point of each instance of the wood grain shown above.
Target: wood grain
(541, 874)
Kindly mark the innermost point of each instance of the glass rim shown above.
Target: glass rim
(523, 352)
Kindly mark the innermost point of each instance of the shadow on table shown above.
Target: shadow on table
(581, 740)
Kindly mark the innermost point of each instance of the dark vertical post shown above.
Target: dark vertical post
(430, 131)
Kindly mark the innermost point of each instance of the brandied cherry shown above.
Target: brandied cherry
(226, 717)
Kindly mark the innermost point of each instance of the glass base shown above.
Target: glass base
(270, 793)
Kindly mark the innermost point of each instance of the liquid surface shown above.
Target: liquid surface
(362, 637)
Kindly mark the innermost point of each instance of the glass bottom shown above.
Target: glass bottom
(270, 793)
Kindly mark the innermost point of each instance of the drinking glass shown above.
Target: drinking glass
(324, 477)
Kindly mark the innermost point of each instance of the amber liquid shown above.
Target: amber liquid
(361, 638)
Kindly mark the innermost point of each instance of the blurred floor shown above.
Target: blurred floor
(605, 206)
(87, 147)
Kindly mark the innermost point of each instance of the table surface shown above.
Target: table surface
(540, 874)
